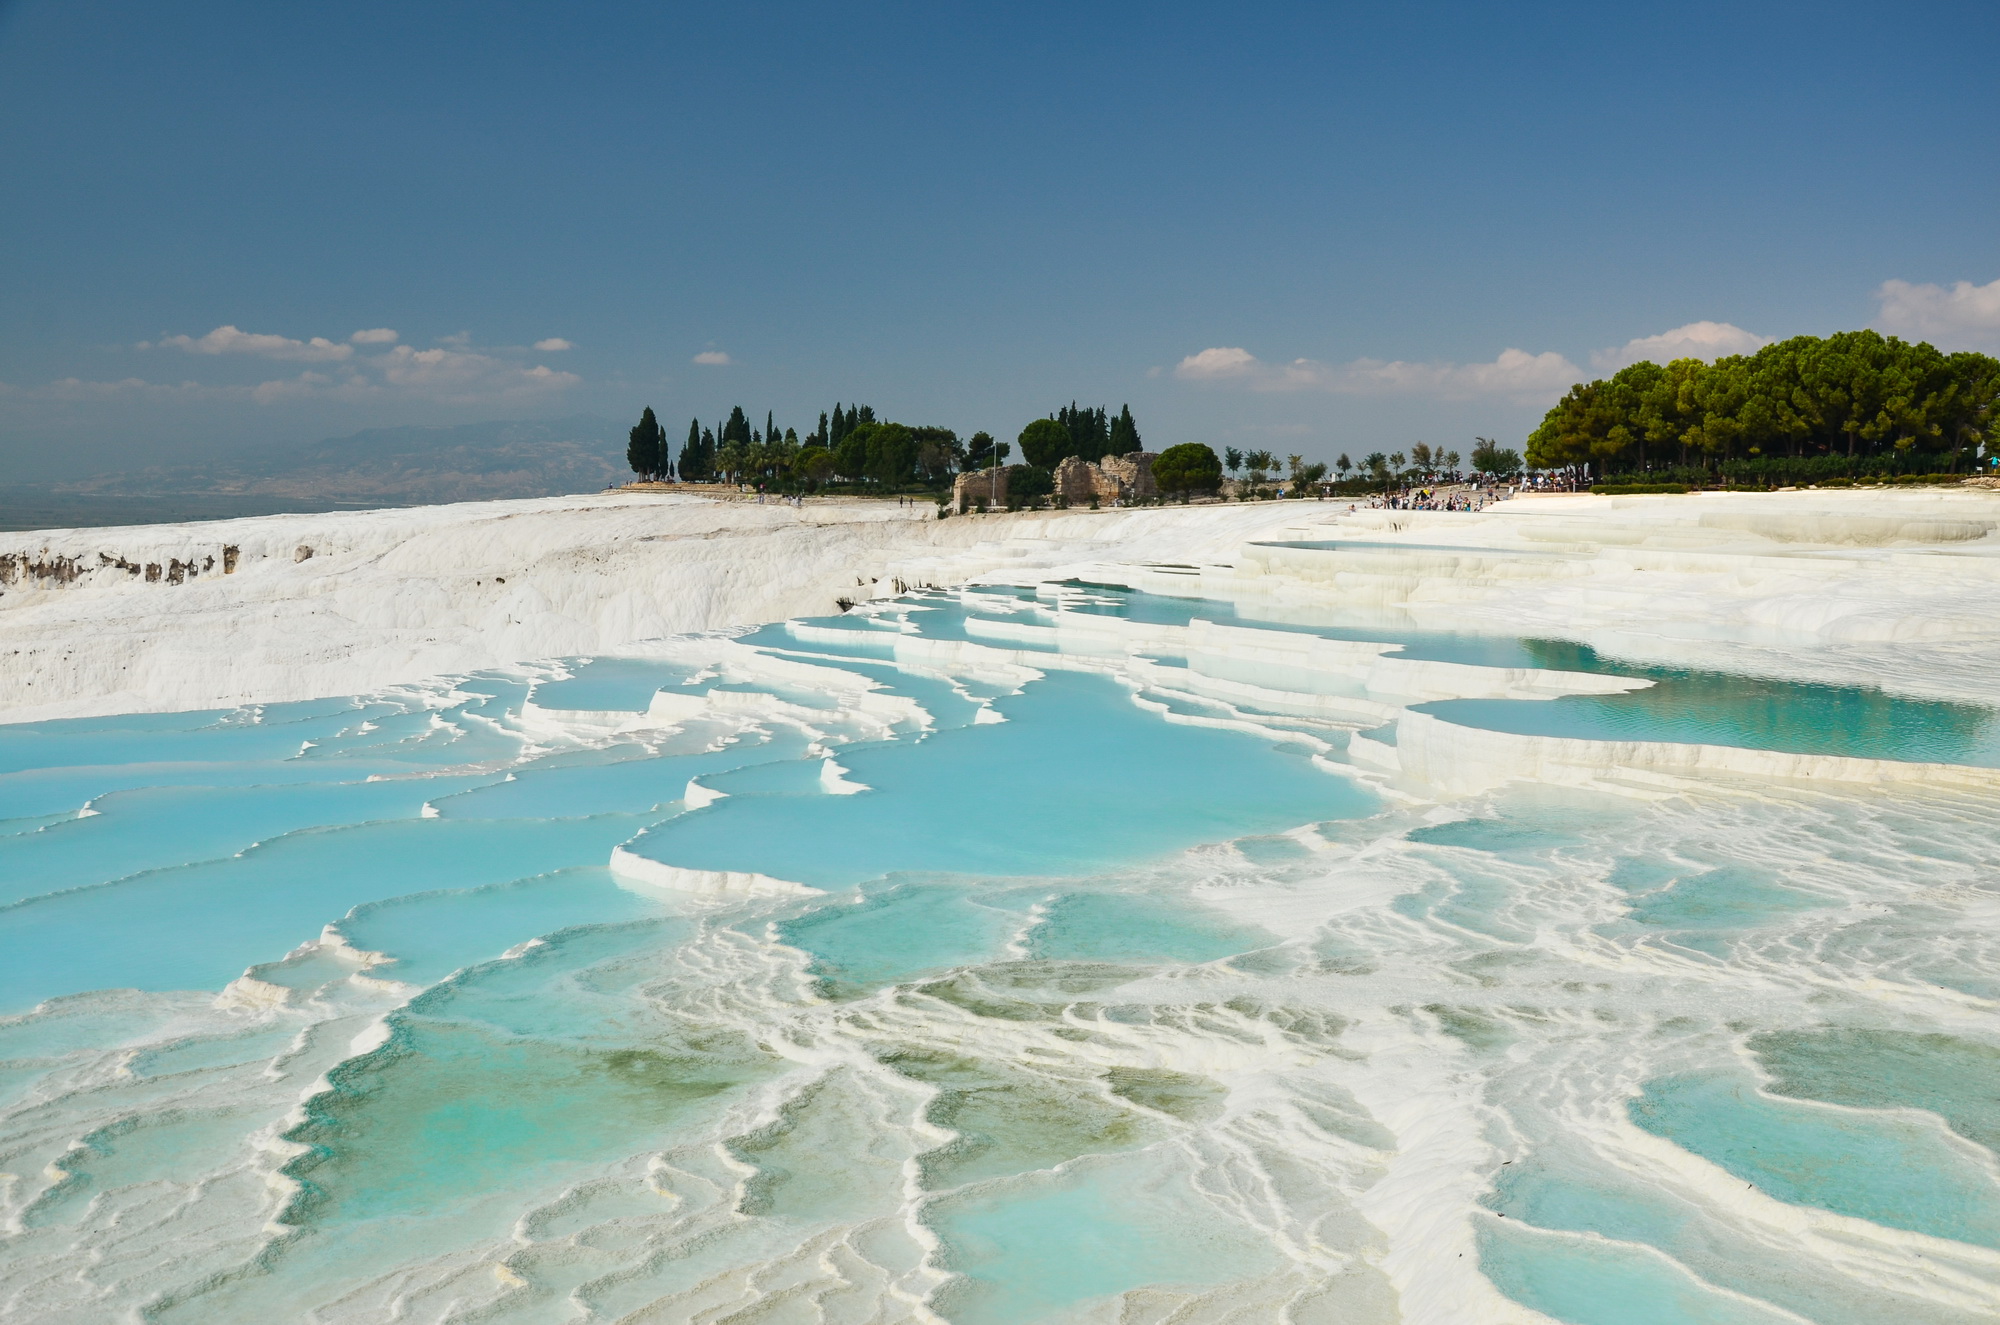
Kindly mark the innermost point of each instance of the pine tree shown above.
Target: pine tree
(839, 432)
(691, 452)
(770, 427)
(1125, 433)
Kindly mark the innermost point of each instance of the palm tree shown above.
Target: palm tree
(732, 460)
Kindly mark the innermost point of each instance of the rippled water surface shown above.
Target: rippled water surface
(969, 959)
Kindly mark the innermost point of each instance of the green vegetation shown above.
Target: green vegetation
(1187, 468)
(1028, 484)
(647, 450)
(1124, 434)
(1074, 430)
(1489, 457)
(982, 452)
(1853, 405)
(1635, 489)
(1045, 442)
(854, 449)
(697, 454)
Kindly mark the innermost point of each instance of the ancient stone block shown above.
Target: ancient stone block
(981, 487)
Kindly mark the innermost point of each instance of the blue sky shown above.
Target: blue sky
(1308, 228)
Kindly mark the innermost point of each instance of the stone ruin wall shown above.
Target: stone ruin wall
(1078, 482)
(1134, 470)
(981, 487)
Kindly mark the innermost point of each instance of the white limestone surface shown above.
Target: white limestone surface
(1896, 588)
(397, 595)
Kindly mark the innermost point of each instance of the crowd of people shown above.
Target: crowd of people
(1456, 498)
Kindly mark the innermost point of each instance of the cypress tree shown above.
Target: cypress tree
(1089, 429)
(1125, 433)
(770, 427)
(691, 450)
(839, 426)
(738, 427)
(646, 445)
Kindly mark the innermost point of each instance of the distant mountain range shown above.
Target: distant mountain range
(412, 466)
(472, 461)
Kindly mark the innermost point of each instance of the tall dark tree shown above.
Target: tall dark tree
(822, 437)
(691, 447)
(646, 447)
(738, 427)
(698, 457)
(1125, 433)
(1089, 430)
(770, 427)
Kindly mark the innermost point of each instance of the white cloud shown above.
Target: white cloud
(1218, 363)
(553, 344)
(305, 384)
(1964, 317)
(1514, 373)
(713, 358)
(465, 375)
(229, 340)
(1696, 340)
(457, 339)
(450, 373)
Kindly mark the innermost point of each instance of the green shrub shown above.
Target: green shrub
(1635, 489)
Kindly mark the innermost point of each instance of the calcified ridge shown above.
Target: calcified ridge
(1133, 927)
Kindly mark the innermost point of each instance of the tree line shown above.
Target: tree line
(852, 444)
(1855, 403)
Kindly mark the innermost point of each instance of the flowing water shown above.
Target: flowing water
(968, 960)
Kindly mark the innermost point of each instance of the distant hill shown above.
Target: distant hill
(413, 466)
(401, 466)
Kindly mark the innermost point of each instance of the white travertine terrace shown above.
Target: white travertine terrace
(1894, 588)
(1379, 1223)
